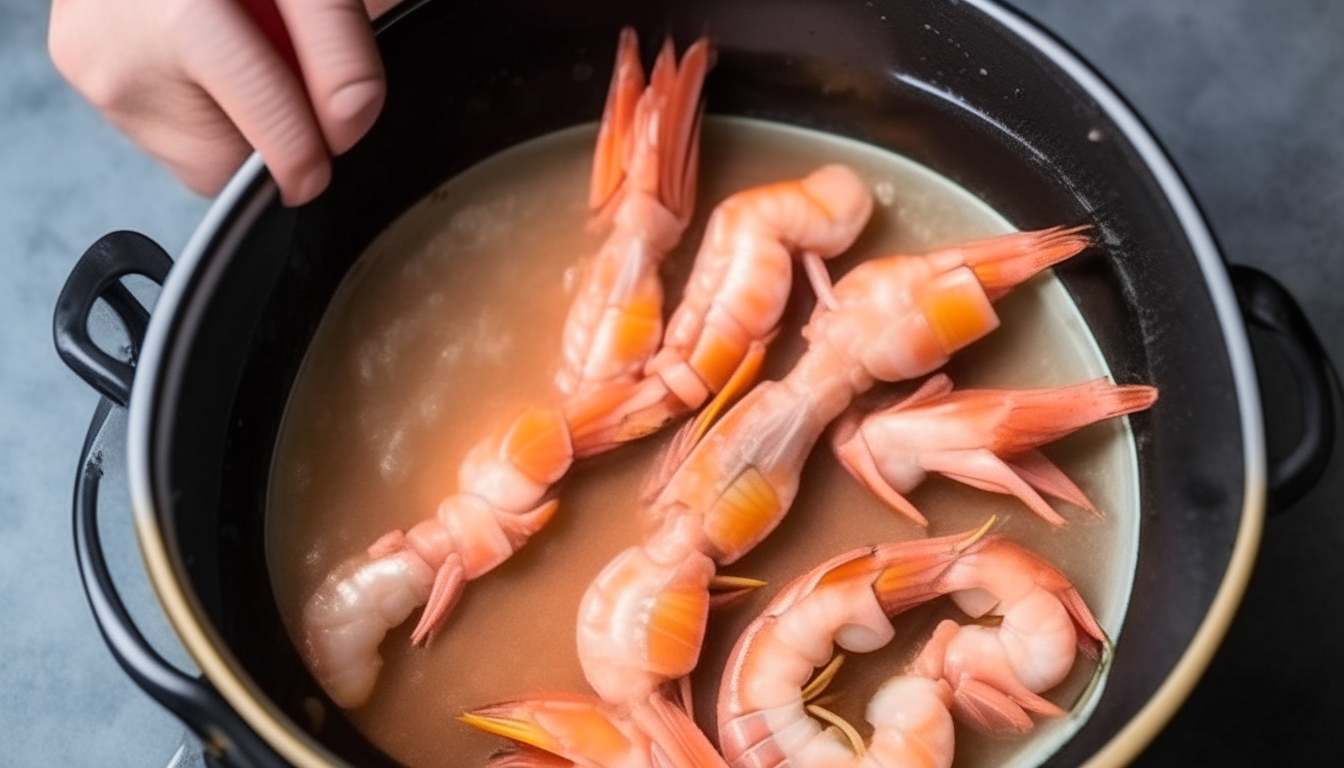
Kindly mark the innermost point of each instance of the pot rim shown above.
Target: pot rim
(1126, 744)
(251, 190)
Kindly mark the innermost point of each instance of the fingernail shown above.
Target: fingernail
(357, 106)
(312, 185)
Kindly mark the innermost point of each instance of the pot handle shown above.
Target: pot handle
(227, 739)
(1268, 305)
(97, 275)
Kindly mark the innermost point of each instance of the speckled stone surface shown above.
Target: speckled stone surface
(1245, 95)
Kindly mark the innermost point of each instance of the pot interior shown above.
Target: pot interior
(946, 85)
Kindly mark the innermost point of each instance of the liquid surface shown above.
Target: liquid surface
(450, 324)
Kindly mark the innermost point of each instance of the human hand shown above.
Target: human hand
(198, 85)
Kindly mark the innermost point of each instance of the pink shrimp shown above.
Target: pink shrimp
(503, 498)
(644, 175)
(984, 438)
(642, 620)
(765, 713)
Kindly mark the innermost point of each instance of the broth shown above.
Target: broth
(450, 324)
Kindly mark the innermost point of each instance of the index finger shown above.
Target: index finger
(341, 66)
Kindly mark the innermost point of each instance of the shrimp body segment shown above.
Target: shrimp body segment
(984, 438)
(644, 175)
(848, 602)
(892, 318)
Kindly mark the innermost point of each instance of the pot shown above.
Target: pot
(970, 89)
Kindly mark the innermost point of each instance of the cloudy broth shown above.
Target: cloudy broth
(450, 324)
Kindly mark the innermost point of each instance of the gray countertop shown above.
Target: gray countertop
(1246, 96)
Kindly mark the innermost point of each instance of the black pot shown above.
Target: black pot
(1043, 141)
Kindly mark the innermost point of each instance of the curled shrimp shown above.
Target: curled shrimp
(986, 438)
(990, 675)
(644, 176)
(642, 620)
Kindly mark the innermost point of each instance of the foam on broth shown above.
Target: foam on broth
(450, 324)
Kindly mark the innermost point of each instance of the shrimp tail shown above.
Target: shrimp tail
(1031, 418)
(1038, 416)
(618, 412)
(607, 416)
(627, 83)
(1000, 708)
(579, 729)
(649, 136)
(523, 756)
(911, 572)
(1000, 263)
(553, 728)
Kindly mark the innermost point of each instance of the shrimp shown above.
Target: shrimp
(736, 295)
(644, 175)
(642, 620)
(503, 498)
(984, 438)
(765, 714)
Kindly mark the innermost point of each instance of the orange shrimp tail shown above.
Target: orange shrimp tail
(911, 572)
(579, 729)
(1039, 416)
(616, 413)
(1092, 638)
(558, 727)
(627, 83)
(679, 150)
(1000, 263)
(649, 136)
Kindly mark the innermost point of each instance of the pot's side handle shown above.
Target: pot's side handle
(1268, 305)
(228, 740)
(97, 275)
